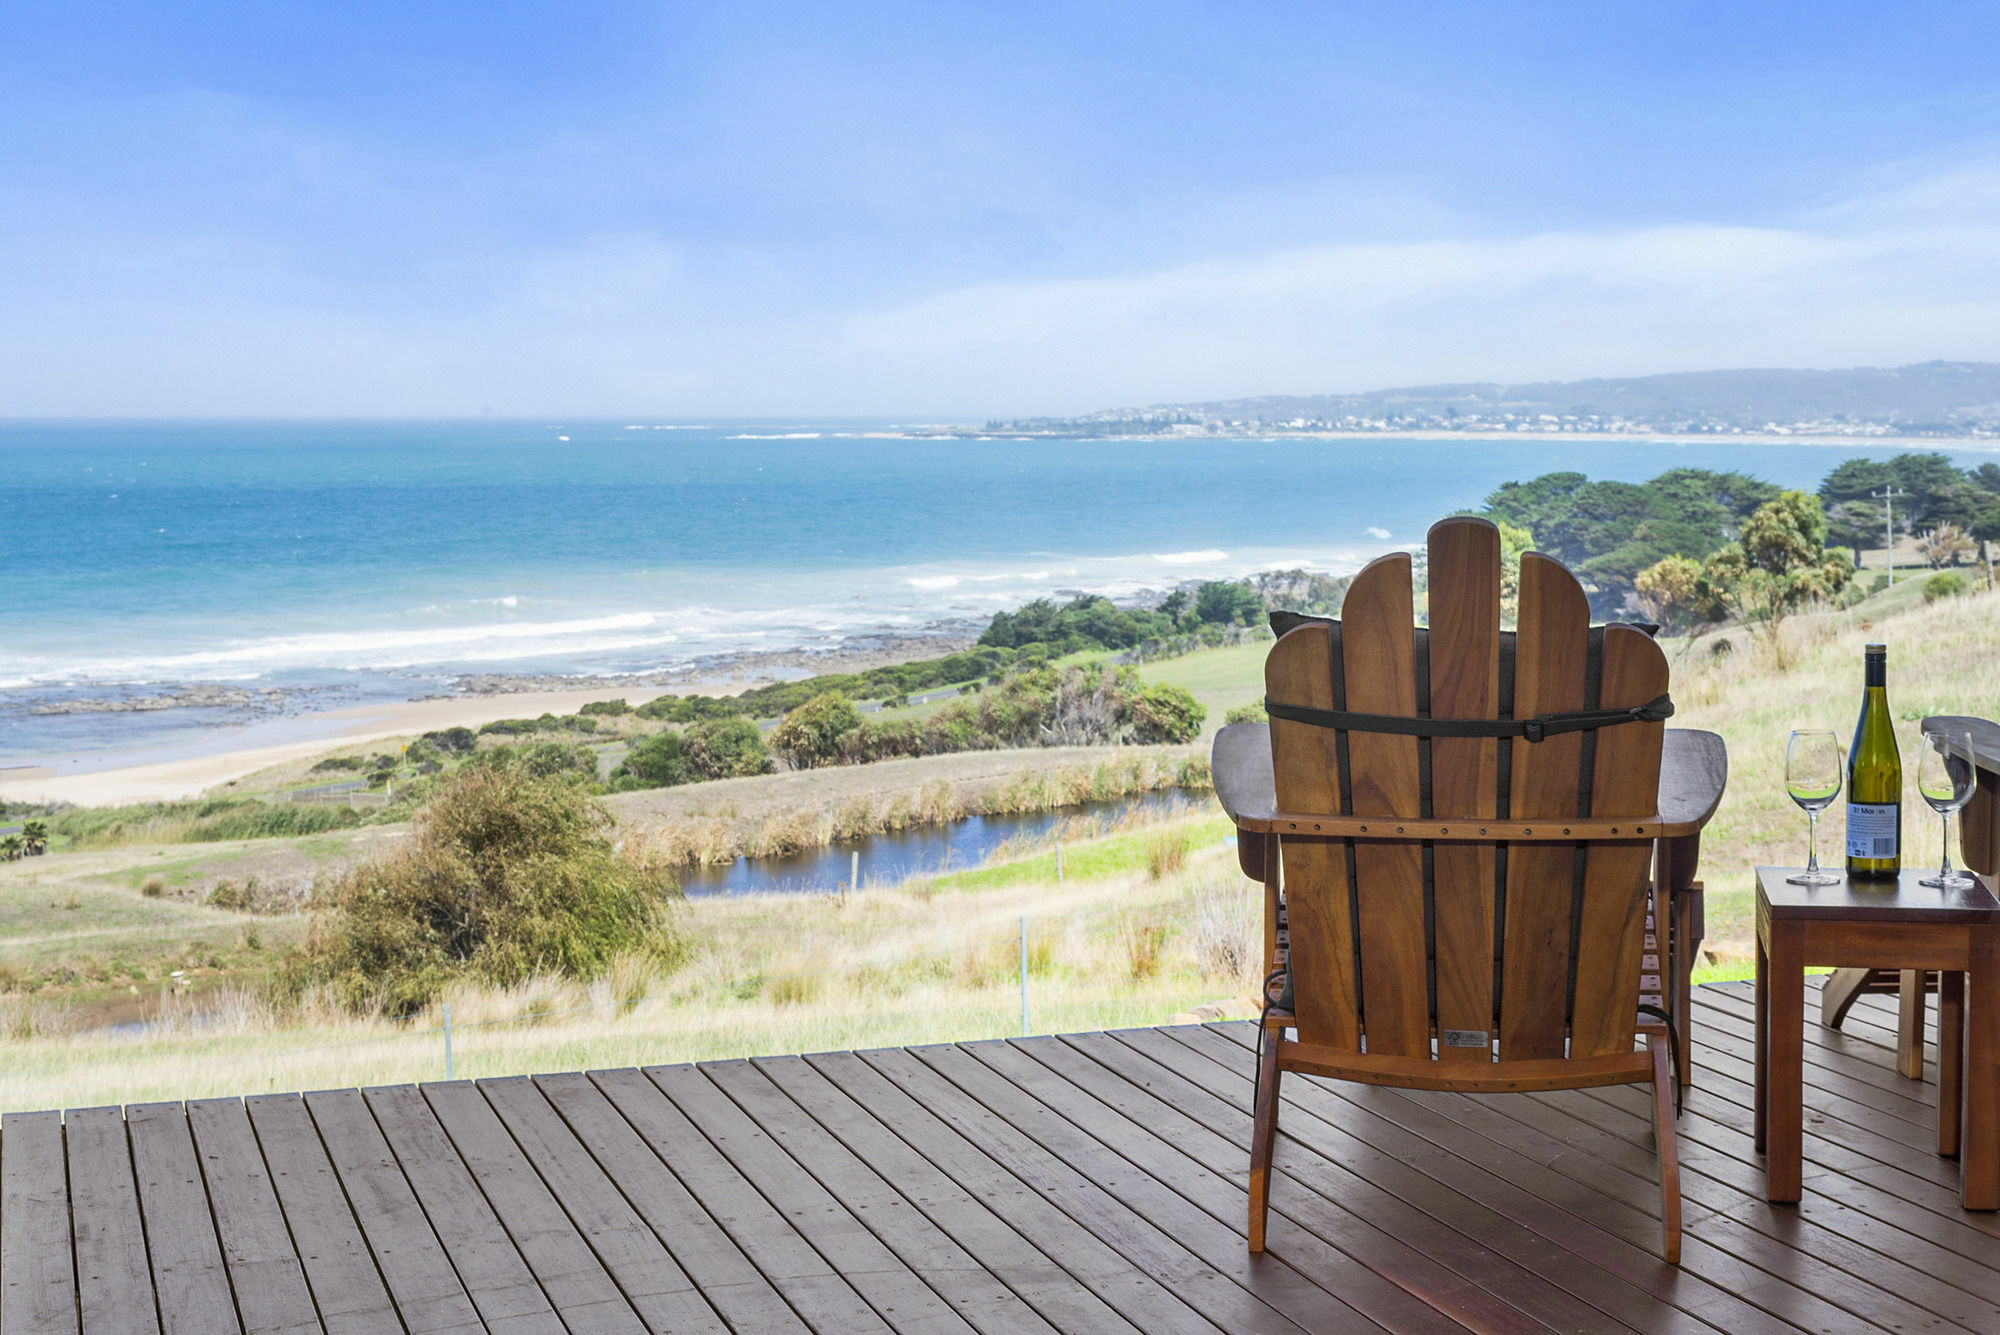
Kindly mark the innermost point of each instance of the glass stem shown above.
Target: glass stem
(1944, 858)
(1812, 841)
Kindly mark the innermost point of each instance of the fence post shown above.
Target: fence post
(447, 1040)
(1024, 976)
(854, 871)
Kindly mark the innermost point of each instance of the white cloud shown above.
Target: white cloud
(1379, 534)
(637, 322)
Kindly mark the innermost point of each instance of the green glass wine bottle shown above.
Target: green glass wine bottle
(1874, 780)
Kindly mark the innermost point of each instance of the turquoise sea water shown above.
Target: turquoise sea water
(375, 559)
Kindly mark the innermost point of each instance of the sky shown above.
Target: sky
(956, 211)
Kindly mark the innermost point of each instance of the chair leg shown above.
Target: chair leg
(1663, 1134)
(1262, 1133)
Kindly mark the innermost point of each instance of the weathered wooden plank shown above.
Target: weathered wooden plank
(1429, 1215)
(828, 1226)
(658, 1289)
(1378, 636)
(189, 1277)
(113, 1280)
(37, 1268)
(1151, 1298)
(1611, 932)
(1122, 1209)
(347, 1288)
(1306, 770)
(996, 1246)
(816, 1291)
(576, 1284)
(730, 1283)
(1370, 1271)
(264, 1270)
(496, 1278)
(1465, 683)
(427, 1292)
(975, 1294)
(1548, 678)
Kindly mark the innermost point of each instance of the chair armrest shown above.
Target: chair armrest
(1694, 769)
(1240, 767)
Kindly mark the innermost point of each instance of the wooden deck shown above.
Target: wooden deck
(1090, 1183)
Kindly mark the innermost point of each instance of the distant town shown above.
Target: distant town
(1934, 400)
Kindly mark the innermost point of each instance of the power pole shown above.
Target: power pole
(1887, 496)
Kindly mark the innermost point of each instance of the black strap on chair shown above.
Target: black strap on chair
(1528, 729)
(1673, 1047)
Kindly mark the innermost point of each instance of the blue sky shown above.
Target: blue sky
(965, 210)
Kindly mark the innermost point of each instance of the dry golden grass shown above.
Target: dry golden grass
(767, 974)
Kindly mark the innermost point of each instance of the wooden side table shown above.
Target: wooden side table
(1886, 925)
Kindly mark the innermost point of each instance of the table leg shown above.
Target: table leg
(1910, 1023)
(1784, 1078)
(1979, 1154)
(1760, 1118)
(1951, 1059)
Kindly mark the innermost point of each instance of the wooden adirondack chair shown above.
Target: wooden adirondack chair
(1466, 906)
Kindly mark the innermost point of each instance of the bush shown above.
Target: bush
(658, 761)
(727, 748)
(1165, 713)
(1944, 584)
(609, 707)
(809, 736)
(549, 759)
(339, 763)
(506, 875)
(452, 741)
(1250, 713)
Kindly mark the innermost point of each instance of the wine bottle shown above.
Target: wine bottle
(1874, 780)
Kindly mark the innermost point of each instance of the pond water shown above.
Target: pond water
(895, 856)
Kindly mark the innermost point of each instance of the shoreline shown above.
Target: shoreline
(481, 698)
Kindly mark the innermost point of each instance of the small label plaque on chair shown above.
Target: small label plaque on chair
(1467, 1038)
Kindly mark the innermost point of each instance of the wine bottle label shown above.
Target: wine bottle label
(1871, 830)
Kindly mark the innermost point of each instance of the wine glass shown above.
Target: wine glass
(1945, 779)
(1812, 777)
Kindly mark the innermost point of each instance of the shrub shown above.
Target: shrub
(153, 887)
(549, 759)
(452, 741)
(1250, 713)
(1944, 584)
(331, 763)
(608, 707)
(507, 875)
(1166, 851)
(1165, 713)
(809, 736)
(658, 761)
(727, 748)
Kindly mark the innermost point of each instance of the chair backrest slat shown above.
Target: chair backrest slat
(1626, 775)
(1378, 640)
(1464, 666)
(1305, 764)
(1550, 667)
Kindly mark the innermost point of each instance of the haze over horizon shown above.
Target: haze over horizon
(917, 211)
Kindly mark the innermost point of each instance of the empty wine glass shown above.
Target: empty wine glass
(1812, 777)
(1946, 778)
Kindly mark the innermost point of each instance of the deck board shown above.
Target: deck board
(1082, 1183)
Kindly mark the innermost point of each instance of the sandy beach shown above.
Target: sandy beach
(175, 780)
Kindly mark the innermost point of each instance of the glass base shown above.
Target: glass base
(1956, 880)
(1814, 878)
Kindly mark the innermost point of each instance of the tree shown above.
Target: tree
(34, 838)
(1944, 545)
(10, 847)
(727, 748)
(1175, 604)
(1217, 603)
(1515, 542)
(1777, 567)
(809, 736)
(1671, 592)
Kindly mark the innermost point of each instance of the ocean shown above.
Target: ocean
(349, 562)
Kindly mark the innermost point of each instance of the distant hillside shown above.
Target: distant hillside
(1931, 399)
